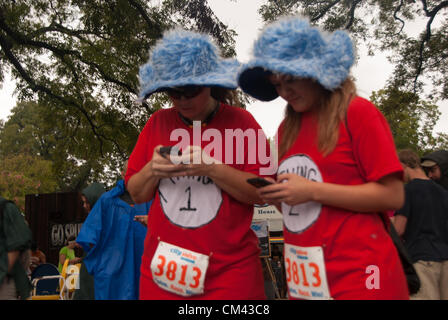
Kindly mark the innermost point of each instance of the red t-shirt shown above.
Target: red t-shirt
(351, 241)
(220, 225)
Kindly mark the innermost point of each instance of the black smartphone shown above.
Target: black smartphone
(164, 151)
(258, 182)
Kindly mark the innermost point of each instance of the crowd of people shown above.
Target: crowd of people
(178, 226)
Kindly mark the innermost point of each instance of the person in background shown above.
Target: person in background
(89, 197)
(68, 252)
(423, 225)
(201, 210)
(338, 168)
(15, 241)
(435, 165)
(37, 256)
(91, 194)
(113, 242)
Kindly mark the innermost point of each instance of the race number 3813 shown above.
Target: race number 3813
(305, 272)
(179, 270)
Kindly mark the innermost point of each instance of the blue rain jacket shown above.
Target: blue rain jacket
(113, 243)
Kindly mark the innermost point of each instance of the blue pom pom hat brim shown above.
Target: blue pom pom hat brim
(183, 58)
(291, 46)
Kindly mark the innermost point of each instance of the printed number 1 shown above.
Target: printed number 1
(182, 277)
(188, 208)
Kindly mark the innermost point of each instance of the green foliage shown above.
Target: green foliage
(410, 118)
(24, 174)
(26, 132)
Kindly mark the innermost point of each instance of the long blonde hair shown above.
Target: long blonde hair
(331, 111)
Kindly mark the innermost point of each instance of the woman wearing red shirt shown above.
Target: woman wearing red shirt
(199, 243)
(338, 168)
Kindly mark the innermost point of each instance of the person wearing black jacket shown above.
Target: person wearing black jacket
(423, 225)
(436, 167)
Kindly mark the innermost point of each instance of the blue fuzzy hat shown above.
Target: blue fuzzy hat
(183, 58)
(291, 46)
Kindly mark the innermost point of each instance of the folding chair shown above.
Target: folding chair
(46, 282)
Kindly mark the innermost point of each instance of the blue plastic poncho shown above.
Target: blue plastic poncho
(113, 243)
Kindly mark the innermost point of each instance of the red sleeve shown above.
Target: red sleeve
(373, 144)
(142, 152)
(263, 166)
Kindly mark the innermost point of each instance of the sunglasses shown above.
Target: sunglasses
(187, 92)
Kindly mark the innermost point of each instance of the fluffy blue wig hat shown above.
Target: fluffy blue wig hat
(291, 46)
(183, 58)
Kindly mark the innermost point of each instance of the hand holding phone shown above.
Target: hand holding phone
(166, 151)
(258, 182)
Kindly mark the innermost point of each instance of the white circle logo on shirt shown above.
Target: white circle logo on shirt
(300, 217)
(189, 202)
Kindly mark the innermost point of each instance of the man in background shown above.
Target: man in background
(423, 225)
(435, 165)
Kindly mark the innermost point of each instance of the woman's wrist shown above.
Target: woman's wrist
(214, 170)
(314, 191)
(149, 175)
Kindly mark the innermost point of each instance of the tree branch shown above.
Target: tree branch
(151, 25)
(431, 15)
(57, 27)
(325, 10)
(6, 46)
(21, 39)
(397, 9)
(352, 14)
(60, 53)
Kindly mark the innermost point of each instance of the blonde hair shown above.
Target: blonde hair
(332, 110)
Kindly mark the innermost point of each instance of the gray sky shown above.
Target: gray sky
(370, 73)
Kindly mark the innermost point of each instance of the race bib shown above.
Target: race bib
(299, 217)
(305, 273)
(190, 202)
(179, 270)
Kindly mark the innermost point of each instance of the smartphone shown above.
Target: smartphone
(258, 182)
(164, 151)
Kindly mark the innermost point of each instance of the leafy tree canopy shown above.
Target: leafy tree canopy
(23, 174)
(411, 119)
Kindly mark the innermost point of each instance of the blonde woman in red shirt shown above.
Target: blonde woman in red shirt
(338, 168)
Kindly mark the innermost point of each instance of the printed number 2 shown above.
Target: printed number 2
(171, 272)
(292, 273)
